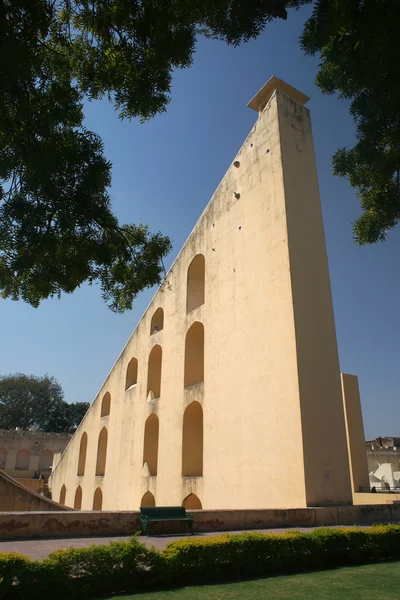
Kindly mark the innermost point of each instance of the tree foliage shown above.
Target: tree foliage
(31, 402)
(57, 229)
(358, 41)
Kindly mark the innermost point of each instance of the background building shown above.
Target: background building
(26, 453)
(383, 455)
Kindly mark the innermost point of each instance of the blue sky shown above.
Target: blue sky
(164, 173)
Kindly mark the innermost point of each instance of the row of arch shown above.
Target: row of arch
(97, 498)
(195, 298)
(101, 456)
(192, 442)
(23, 457)
(193, 367)
(195, 292)
(191, 501)
(192, 445)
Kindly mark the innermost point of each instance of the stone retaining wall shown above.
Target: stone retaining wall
(378, 498)
(16, 497)
(25, 525)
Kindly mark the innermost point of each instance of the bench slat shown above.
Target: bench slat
(165, 512)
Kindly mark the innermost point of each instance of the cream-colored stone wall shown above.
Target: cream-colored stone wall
(274, 431)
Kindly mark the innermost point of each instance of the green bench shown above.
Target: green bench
(164, 513)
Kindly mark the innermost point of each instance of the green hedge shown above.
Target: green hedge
(131, 567)
(248, 555)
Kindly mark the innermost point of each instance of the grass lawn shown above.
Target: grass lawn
(368, 582)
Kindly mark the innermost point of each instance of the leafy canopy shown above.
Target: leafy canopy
(359, 44)
(31, 402)
(57, 229)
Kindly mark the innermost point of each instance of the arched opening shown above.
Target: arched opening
(102, 453)
(3, 458)
(78, 498)
(192, 441)
(63, 493)
(195, 283)
(106, 405)
(154, 372)
(157, 322)
(22, 460)
(148, 500)
(82, 454)
(194, 355)
(46, 460)
(191, 502)
(150, 446)
(98, 499)
(131, 373)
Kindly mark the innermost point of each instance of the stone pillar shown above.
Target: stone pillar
(355, 432)
(323, 430)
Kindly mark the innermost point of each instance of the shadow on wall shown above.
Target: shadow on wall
(150, 446)
(195, 283)
(157, 322)
(102, 453)
(78, 498)
(192, 502)
(106, 405)
(98, 499)
(82, 454)
(154, 372)
(194, 355)
(148, 500)
(63, 493)
(192, 441)
(131, 374)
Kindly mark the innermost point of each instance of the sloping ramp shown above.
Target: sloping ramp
(16, 497)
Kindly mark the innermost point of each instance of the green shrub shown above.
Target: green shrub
(338, 547)
(43, 577)
(13, 567)
(238, 556)
(103, 570)
(241, 556)
(130, 567)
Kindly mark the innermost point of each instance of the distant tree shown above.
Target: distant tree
(75, 413)
(27, 401)
(67, 417)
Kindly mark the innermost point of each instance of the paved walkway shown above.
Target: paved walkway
(41, 548)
